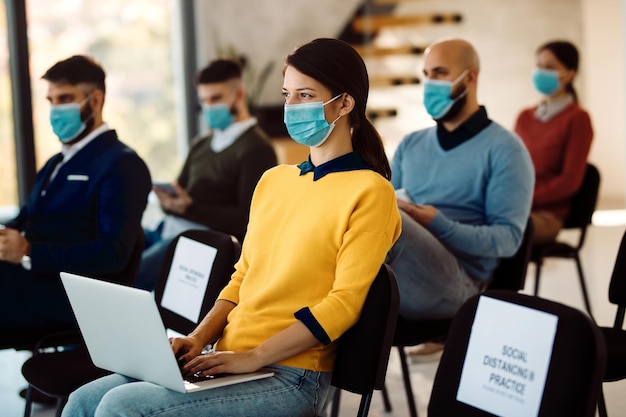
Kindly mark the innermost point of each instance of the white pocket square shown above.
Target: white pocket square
(77, 177)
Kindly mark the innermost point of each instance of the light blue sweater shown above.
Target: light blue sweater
(482, 188)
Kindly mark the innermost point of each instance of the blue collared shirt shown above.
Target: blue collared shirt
(349, 162)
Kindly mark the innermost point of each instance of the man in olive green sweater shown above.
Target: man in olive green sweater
(215, 186)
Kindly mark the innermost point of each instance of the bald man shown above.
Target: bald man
(466, 189)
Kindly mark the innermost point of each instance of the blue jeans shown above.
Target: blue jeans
(431, 281)
(291, 392)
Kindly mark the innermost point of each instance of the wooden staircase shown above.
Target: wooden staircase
(364, 30)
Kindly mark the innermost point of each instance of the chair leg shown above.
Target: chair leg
(538, 265)
(406, 376)
(364, 406)
(583, 286)
(602, 404)
(386, 401)
(60, 405)
(29, 401)
(334, 411)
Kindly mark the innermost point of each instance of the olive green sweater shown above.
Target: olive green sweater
(221, 184)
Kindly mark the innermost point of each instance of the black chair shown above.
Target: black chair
(574, 373)
(228, 252)
(58, 374)
(615, 336)
(582, 206)
(57, 341)
(363, 351)
(47, 337)
(509, 275)
(29, 340)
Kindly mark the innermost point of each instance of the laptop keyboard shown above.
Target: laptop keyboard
(195, 379)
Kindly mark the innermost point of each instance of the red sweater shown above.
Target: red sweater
(559, 148)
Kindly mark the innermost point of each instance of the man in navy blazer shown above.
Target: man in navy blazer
(84, 212)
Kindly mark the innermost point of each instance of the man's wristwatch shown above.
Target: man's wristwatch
(26, 264)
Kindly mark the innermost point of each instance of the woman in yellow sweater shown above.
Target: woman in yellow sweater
(317, 235)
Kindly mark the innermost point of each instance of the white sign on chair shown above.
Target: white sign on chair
(188, 278)
(507, 358)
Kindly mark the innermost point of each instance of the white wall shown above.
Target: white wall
(603, 59)
(506, 34)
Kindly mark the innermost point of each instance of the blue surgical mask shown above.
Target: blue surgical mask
(218, 116)
(546, 81)
(437, 96)
(66, 121)
(307, 124)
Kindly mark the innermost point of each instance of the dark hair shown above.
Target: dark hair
(75, 70)
(567, 54)
(219, 71)
(337, 66)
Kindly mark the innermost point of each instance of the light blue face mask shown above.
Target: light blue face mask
(546, 81)
(66, 122)
(437, 96)
(218, 116)
(307, 124)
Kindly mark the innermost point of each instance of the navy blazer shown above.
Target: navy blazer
(89, 218)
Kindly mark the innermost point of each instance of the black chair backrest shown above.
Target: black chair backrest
(228, 251)
(617, 287)
(363, 351)
(584, 201)
(127, 275)
(575, 369)
(511, 272)
(63, 333)
(132, 266)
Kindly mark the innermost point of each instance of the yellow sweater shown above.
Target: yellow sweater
(312, 247)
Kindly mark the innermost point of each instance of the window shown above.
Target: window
(132, 40)
(8, 177)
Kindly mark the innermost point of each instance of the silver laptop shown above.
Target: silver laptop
(124, 333)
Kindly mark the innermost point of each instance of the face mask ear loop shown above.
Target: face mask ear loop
(460, 96)
(464, 93)
(460, 77)
(330, 101)
(85, 100)
(232, 107)
(82, 103)
(333, 99)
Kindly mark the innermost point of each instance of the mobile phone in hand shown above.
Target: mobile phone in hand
(167, 187)
(402, 194)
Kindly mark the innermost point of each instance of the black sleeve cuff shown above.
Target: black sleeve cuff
(305, 316)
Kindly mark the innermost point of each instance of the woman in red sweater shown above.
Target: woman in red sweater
(558, 135)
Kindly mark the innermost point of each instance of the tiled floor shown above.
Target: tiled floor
(559, 283)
